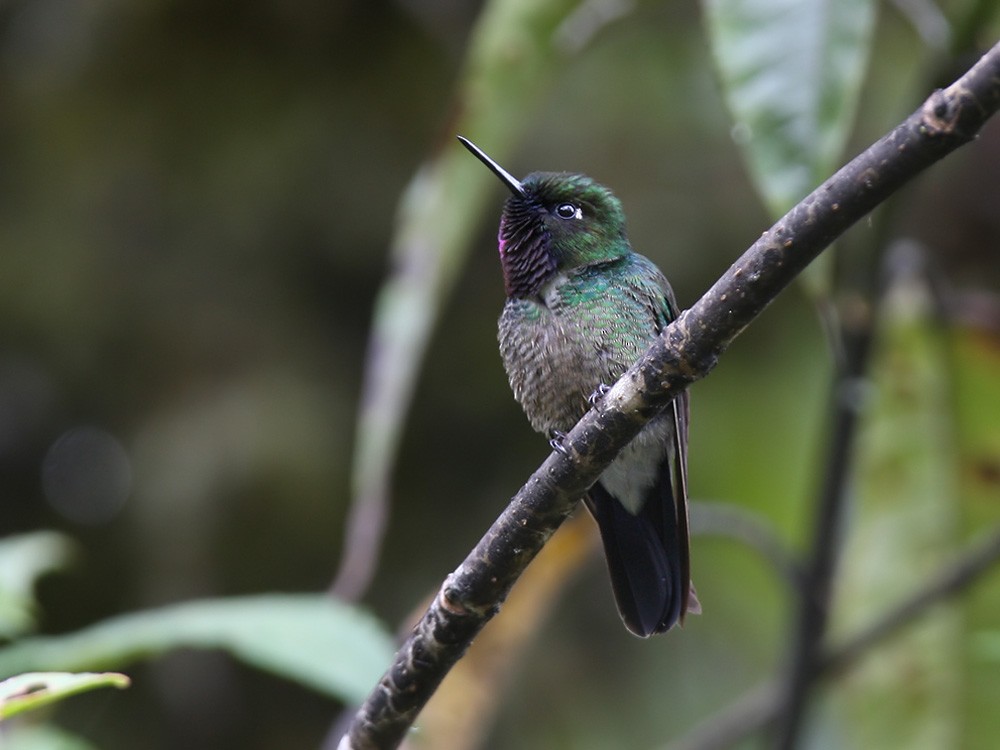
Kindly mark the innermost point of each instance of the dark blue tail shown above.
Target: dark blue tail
(644, 557)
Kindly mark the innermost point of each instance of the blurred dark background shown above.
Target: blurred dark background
(196, 200)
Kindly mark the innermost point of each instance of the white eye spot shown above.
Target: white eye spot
(569, 211)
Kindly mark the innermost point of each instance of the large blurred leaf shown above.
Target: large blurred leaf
(512, 56)
(330, 647)
(791, 73)
(23, 559)
(905, 693)
(976, 368)
(42, 737)
(36, 689)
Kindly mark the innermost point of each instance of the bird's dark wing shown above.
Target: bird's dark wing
(680, 411)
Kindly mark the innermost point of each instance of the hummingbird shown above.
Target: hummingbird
(581, 308)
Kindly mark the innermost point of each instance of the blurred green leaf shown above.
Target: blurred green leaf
(987, 645)
(35, 689)
(791, 73)
(42, 737)
(328, 646)
(513, 54)
(976, 371)
(905, 693)
(23, 559)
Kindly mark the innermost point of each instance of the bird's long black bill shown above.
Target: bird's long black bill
(505, 177)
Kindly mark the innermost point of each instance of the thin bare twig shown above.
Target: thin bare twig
(731, 521)
(814, 601)
(761, 705)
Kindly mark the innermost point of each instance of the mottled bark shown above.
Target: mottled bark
(687, 351)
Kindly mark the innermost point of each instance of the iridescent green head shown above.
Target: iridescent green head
(552, 222)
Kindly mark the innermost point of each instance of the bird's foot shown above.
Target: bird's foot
(599, 393)
(556, 441)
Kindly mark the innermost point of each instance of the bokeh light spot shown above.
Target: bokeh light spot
(87, 476)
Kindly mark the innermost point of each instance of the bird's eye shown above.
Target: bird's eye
(568, 211)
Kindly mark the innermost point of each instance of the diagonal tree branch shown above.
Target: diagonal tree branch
(686, 351)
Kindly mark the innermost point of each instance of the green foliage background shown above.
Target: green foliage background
(199, 206)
